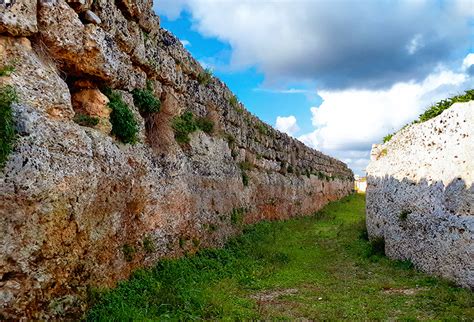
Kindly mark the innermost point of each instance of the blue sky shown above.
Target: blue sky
(337, 75)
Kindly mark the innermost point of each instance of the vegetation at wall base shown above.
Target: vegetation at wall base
(124, 124)
(320, 267)
(145, 100)
(7, 70)
(437, 109)
(8, 96)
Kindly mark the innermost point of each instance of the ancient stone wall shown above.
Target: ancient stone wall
(420, 195)
(78, 208)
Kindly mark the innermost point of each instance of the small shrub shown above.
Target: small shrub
(245, 166)
(8, 96)
(404, 215)
(290, 169)
(262, 128)
(128, 252)
(307, 173)
(205, 124)
(124, 125)
(7, 70)
(148, 245)
(237, 216)
(86, 120)
(145, 101)
(383, 152)
(388, 137)
(234, 101)
(230, 139)
(205, 77)
(245, 179)
(182, 242)
(186, 124)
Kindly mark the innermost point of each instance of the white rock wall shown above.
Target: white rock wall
(420, 195)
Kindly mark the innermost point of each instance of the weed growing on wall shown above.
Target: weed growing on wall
(124, 124)
(205, 77)
(86, 120)
(8, 96)
(145, 101)
(186, 124)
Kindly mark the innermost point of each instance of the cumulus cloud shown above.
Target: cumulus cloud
(339, 44)
(349, 121)
(287, 124)
(186, 43)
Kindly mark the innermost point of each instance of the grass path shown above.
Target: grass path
(319, 267)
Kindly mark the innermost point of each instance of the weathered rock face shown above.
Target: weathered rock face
(79, 209)
(420, 195)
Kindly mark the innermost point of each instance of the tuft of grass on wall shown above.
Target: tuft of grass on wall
(145, 101)
(8, 96)
(7, 70)
(86, 120)
(124, 124)
(186, 124)
(205, 77)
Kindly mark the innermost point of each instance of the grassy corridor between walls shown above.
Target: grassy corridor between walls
(319, 267)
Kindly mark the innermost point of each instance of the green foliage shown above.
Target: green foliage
(205, 125)
(8, 96)
(245, 166)
(245, 179)
(289, 169)
(86, 120)
(205, 77)
(438, 108)
(262, 128)
(388, 137)
(145, 101)
(383, 152)
(148, 245)
(234, 101)
(237, 216)
(124, 124)
(443, 105)
(186, 124)
(7, 70)
(377, 247)
(316, 263)
(230, 139)
(128, 252)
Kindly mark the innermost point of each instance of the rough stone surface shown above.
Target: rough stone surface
(72, 197)
(18, 19)
(93, 103)
(420, 195)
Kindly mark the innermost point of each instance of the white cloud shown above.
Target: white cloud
(186, 43)
(339, 44)
(287, 124)
(468, 62)
(415, 44)
(352, 120)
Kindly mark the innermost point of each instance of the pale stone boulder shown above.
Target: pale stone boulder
(19, 18)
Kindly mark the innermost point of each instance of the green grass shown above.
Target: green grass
(437, 109)
(8, 96)
(320, 267)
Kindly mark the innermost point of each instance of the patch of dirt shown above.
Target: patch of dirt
(403, 291)
(270, 295)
